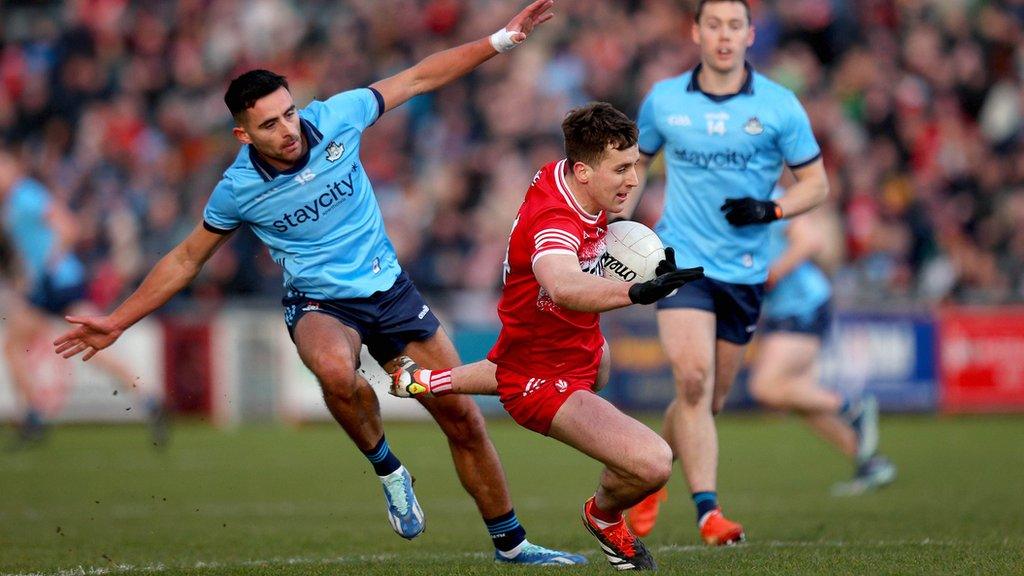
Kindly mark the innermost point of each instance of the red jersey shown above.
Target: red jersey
(539, 338)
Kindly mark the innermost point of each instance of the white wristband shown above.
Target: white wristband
(502, 41)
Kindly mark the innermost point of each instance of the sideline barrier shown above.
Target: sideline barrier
(982, 359)
(241, 366)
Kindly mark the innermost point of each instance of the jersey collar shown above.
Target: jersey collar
(563, 189)
(747, 88)
(268, 172)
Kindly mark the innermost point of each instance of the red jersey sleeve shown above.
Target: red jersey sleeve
(554, 231)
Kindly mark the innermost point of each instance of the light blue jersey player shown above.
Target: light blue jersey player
(726, 133)
(33, 220)
(298, 183)
(41, 277)
(784, 376)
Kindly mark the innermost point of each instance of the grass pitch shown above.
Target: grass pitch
(274, 500)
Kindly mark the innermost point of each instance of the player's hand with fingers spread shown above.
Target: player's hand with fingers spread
(746, 211)
(668, 278)
(516, 31)
(90, 336)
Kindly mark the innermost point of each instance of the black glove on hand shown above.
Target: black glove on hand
(668, 264)
(668, 279)
(746, 211)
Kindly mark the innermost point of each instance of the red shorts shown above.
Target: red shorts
(533, 402)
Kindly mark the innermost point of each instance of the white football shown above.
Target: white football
(632, 252)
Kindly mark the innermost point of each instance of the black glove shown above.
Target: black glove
(746, 211)
(668, 264)
(668, 279)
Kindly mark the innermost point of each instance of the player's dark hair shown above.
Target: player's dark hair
(590, 129)
(244, 91)
(702, 3)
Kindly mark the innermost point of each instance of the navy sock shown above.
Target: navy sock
(705, 502)
(506, 531)
(383, 459)
(33, 418)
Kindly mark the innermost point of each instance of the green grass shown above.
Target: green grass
(271, 500)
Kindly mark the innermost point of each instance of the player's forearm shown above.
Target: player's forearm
(584, 292)
(171, 274)
(446, 66)
(807, 193)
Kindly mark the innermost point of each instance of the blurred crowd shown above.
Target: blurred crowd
(117, 106)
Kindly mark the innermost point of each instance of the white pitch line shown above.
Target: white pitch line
(300, 561)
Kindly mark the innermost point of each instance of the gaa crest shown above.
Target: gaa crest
(334, 151)
(753, 126)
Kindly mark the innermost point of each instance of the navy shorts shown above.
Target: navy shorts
(815, 324)
(386, 321)
(53, 299)
(735, 306)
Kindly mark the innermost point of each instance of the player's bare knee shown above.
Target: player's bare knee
(655, 467)
(337, 378)
(691, 385)
(765, 394)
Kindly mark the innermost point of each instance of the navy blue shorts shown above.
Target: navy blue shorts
(53, 299)
(735, 306)
(386, 321)
(815, 324)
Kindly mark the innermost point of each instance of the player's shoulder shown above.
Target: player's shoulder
(242, 173)
(766, 88)
(672, 86)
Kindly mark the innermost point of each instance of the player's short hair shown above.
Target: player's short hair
(702, 3)
(590, 129)
(244, 91)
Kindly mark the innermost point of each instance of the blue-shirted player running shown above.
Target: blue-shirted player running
(794, 320)
(726, 132)
(299, 184)
(40, 277)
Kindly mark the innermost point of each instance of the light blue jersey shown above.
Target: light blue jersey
(801, 292)
(319, 219)
(719, 147)
(25, 219)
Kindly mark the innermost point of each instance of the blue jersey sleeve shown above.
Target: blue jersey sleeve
(221, 213)
(651, 140)
(359, 108)
(797, 141)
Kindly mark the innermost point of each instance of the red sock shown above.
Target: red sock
(603, 516)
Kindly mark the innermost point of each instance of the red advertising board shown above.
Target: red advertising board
(981, 353)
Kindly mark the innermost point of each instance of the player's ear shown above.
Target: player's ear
(750, 35)
(695, 32)
(582, 172)
(241, 135)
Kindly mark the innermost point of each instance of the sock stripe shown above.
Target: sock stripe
(380, 454)
(703, 497)
(503, 527)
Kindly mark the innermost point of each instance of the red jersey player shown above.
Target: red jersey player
(550, 349)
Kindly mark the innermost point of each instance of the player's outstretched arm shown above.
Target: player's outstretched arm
(443, 67)
(171, 274)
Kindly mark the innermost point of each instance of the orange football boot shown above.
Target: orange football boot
(642, 517)
(717, 530)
